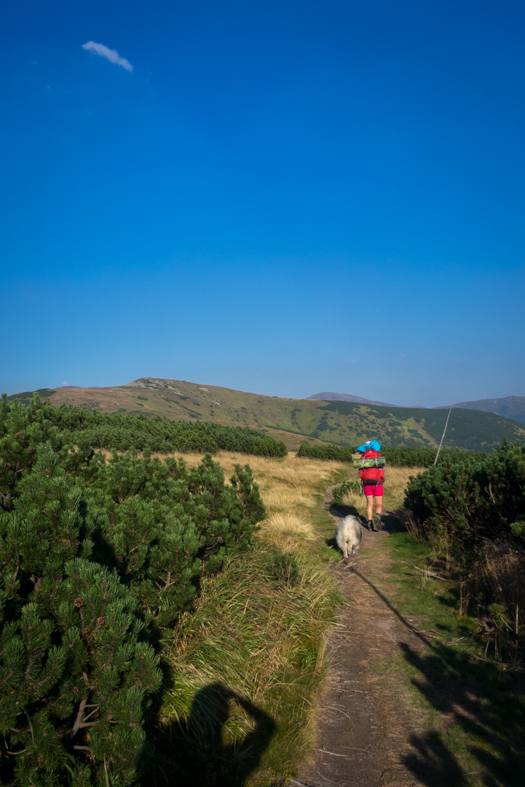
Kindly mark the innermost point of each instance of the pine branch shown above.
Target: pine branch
(78, 721)
(89, 714)
(37, 581)
(30, 662)
(430, 574)
(16, 471)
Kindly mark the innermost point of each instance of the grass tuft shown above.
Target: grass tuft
(249, 660)
(261, 637)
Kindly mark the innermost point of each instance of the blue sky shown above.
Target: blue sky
(281, 197)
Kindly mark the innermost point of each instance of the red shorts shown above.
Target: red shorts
(373, 489)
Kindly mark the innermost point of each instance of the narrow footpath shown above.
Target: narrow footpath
(366, 717)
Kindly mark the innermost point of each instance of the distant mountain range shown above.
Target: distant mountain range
(508, 406)
(512, 407)
(295, 421)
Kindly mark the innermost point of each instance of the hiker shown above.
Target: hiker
(372, 479)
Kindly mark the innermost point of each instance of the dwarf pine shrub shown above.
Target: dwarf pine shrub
(327, 452)
(472, 497)
(347, 486)
(121, 432)
(95, 556)
(417, 456)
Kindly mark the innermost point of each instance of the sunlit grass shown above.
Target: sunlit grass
(265, 642)
(475, 710)
(261, 638)
(288, 524)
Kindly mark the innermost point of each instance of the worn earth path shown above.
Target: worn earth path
(366, 717)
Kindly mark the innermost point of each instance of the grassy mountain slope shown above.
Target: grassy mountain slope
(508, 406)
(471, 429)
(329, 396)
(293, 420)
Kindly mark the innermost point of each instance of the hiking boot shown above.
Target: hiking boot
(369, 525)
(377, 523)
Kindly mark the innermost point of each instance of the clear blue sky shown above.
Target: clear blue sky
(282, 197)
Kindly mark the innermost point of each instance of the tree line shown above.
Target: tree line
(124, 432)
(417, 456)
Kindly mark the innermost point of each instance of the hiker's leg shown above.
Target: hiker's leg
(378, 496)
(369, 506)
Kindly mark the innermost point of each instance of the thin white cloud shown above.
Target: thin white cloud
(110, 54)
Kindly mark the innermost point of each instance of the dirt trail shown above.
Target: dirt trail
(365, 718)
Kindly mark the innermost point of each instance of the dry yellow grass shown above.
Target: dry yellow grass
(396, 480)
(288, 524)
(355, 500)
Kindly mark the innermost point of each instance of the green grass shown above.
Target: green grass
(475, 733)
(324, 548)
(472, 429)
(246, 666)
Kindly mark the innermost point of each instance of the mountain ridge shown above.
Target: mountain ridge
(293, 421)
(330, 396)
(512, 407)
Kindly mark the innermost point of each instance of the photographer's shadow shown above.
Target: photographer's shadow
(200, 750)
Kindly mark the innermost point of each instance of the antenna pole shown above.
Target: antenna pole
(443, 435)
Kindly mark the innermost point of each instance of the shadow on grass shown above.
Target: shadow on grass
(451, 599)
(340, 510)
(475, 699)
(482, 716)
(194, 752)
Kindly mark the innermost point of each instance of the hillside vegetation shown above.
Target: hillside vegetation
(118, 432)
(140, 597)
(293, 420)
(416, 456)
(509, 407)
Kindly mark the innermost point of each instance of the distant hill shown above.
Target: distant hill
(512, 407)
(508, 406)
(330, 396)
(294, 421)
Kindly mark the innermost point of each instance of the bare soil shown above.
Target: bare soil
(366, 717)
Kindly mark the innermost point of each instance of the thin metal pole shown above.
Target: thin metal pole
(443, 435)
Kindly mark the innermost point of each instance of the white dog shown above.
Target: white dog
(349, 534)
